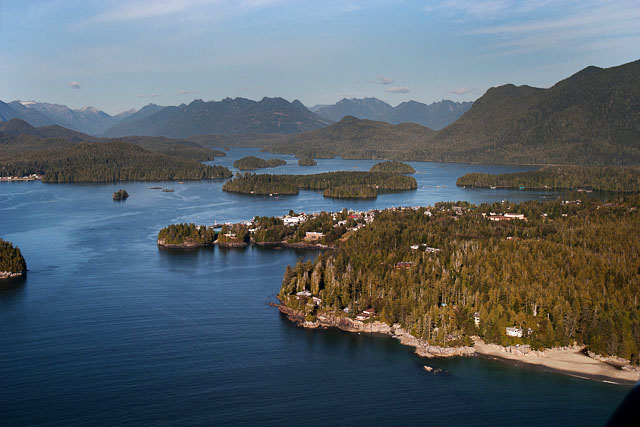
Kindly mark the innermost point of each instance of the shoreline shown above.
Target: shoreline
(327, 320)
(569, 361)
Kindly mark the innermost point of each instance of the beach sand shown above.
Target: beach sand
(570, 361)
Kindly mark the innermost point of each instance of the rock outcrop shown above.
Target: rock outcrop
(330, 320)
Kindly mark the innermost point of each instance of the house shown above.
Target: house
(404, 264)
(303, 294)
(514, 216)
(293, 220)
(366, 314)
(313, 235)
(514, 332)
(476, 318)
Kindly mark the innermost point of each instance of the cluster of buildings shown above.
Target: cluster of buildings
(504, 217)
(366, 314)
(32, 177)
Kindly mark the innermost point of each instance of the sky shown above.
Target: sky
(116, 55)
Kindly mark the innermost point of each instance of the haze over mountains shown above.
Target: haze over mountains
(435, 116)
(228, 116)
(590, 118)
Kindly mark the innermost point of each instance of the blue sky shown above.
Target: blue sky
(116, 55)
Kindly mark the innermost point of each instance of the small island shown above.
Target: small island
(341, 184)
(253, 163)
(186, 236)
(392, 166)
(12, 263)
(588, 178)
(307, 161)
(120, 195)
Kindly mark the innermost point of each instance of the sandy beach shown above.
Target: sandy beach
(570, 361)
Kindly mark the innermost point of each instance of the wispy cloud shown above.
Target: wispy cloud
(147, 95)
(382, 80)
(184, 92)
(74, 85)
(539, 25)
(460, 91)
(149, 9)
(397, 89)
(145, 9)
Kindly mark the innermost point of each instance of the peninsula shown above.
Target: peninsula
(598, 178)
(526, 277)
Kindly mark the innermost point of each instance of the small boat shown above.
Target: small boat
(167, 190)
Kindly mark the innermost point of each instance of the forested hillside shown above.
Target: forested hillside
(568, 272)
(111, 161)
(617, 179)
(340, 184)
(590, 118)
(11, 259)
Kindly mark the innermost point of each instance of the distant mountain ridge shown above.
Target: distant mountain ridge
(590, 118)
(434, 116)
(88, 120)
(226, 117)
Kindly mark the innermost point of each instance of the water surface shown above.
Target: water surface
(109, 329)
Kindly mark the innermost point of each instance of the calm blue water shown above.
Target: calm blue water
(108, 329)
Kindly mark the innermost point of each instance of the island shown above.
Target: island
(589, 178)
(307, 161)
(392, 166)
(120, 195)
(253, 163)
(354, 184)
(186, 236)
(541, 282)
(12, 263)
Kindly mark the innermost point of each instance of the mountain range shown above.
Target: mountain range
(590, 118)
(435, 116)
(226, 117)
(88, 119)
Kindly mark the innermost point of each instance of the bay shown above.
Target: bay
(109, 329)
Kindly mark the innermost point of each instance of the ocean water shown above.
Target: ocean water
(109, 329)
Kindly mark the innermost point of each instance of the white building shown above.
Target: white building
(514, 332)
(293, 220)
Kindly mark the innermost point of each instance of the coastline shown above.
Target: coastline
(570, 361)
(566, 360)
(4, 275)
(326, 320)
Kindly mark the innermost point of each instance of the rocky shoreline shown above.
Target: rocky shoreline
(573, 360)
(283, 244)
(328, 320)
(10, 275)
(185, 245)
(296, 245)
